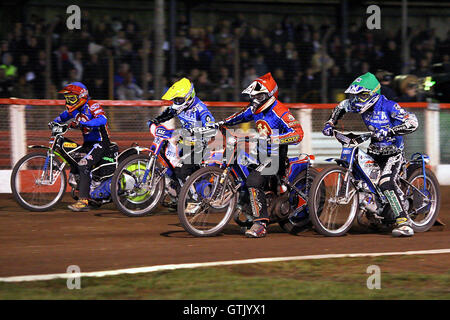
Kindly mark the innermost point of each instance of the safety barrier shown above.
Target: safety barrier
(24, 122)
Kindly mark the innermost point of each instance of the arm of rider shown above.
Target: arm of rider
(96, 122)
(338, 112)
(166, 115)
(404, 122)
(245, 115)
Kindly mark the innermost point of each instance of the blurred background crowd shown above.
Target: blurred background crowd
(113, 56)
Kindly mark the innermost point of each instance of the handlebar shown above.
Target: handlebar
(351, 137)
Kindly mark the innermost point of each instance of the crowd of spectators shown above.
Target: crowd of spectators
(293, 50)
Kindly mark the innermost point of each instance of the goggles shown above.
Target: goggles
(178, 101)
(71, 99)
(361, 97)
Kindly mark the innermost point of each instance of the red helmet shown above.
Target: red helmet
(263, 92)
(76, 95)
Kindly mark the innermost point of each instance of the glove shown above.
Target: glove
(74, 125)
(216, 125)
(51, 124)
(150, 122)
(328, 129)
(381, 134)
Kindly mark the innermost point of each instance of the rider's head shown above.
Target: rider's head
(182, 95)
(262, 93)
(76, 95)
(364, 92)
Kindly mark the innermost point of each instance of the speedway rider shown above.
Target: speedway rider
(388, 122)
(277, 125)
(91, 119)
(191, 112)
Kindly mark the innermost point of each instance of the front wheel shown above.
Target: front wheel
(134, 191)
(205, 205)
(37, 183)
(424, 199)
(333, 202)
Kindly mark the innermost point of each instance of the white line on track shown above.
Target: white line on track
(210, 264)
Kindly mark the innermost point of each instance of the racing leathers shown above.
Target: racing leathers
(388, 122)
(93, 124)
(281, 129)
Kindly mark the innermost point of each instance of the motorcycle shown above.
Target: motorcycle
(39, 180)
(349, 190)
(213, 195)
(141, 181)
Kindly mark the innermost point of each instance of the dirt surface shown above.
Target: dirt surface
(103, 239)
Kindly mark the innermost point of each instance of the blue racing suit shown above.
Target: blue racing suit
(389, 122)
(196, 115)
(93, 123)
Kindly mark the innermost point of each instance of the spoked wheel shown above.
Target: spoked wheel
(131, 195)
(331, 212)
(424, 202)
(301, 220)
(205, 206)
(37, 184)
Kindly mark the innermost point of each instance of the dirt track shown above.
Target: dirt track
(103, 239)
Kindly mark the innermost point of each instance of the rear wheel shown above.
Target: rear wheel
(302, 220)
(37, 184)
(424, 203)
(131, 195)
(205, 206)
(331, 212)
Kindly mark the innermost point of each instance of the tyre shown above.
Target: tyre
(296, 225)
(34, 186)
(330, 213)
(129, 194)
(427, 207)
(200, 214)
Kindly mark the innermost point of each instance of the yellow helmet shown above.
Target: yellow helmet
(181, 93)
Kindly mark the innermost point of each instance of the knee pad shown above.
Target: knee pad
(386, 183)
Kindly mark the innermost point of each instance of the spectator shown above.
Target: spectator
(321, 60)
(6, 85)
(250, 75)
(128, 90)
(93, 68)
(307, 85)
(78, 65)
(392, 58)
(25, 69)
(385, 79)
(22, 89)
(10, 69)
(260, 65)
(424, 69)
(204, 86)
(223, 90)
(98, 88)
(409, 93)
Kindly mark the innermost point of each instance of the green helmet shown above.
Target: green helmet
(364, 92)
